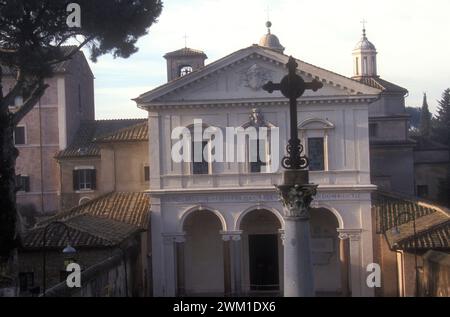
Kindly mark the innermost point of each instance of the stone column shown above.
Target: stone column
(296, 195)
(344, 264)
(234, 239)
(180, 242)
(357, 278)
(169, 288)
(226, 265)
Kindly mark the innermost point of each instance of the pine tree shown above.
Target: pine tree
(442, 122)
(425, 119)
(441, 132)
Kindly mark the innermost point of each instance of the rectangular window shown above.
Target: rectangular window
(257, 162)
(373, 130)
(23, 183)
(316, 154)
(422, 191)
(84, 179)
(200, 168)
(147, 173)
(26, 281)
(357, 66)
(19, 136)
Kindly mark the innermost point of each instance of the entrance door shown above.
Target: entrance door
(263, 260)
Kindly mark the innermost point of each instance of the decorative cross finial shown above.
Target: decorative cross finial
(364, 22)
(268, 23)
(292, 87)
(185, 40)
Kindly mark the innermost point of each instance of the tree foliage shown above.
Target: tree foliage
(425, 119)
(31, 36)
(442, 122)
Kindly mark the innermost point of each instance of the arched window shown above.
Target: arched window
(185, 70)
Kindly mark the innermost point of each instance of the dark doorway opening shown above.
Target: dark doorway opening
(263, 260)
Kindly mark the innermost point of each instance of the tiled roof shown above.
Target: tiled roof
(134, 133)
(379, 83)
(185, 52)
(396, 212)
(102, 222)
(84, 144)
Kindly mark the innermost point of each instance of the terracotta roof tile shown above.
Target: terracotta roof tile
(379, 83)
(396, 212)
(103, 222)
(134, 133)
(84, 144)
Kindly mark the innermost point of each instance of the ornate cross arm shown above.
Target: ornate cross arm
(270, 87)
(293, 87)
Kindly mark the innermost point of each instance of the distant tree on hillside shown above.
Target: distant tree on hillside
(425, 119)
(414, 122)
(441, 129)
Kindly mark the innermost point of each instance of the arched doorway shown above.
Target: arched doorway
(325, 246)
(262, 252)
(203, 257)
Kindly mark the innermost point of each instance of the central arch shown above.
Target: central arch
(262, 251)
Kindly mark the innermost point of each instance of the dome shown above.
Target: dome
(364, 44)
(271, 41)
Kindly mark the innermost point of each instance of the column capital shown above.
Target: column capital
(282, 235)
(231, 235)
(296, 200)
(352, 234)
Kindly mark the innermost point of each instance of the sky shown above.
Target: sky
(411, 36)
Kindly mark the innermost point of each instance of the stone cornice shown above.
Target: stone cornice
(264, 189)
(207, 104)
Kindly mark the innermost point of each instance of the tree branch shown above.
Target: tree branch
(34, 97)
(11, 96)
(71, 54)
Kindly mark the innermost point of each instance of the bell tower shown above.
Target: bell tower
(364, 58)
(183, 62)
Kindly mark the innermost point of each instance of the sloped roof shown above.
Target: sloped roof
(103, 222)
(333, 78)
(84, 144)
(379, 83)
(136, 133)
(395, 211)
(186, 51)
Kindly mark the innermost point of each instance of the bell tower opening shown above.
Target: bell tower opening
(184, 61)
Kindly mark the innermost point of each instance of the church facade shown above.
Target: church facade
(217, 226)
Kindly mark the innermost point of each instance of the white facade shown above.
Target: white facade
(209, 231)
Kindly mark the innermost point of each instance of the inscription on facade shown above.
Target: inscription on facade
(252, 197)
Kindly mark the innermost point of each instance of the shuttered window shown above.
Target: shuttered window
(84, 179)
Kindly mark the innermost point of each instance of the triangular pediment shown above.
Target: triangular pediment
(241, 75)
